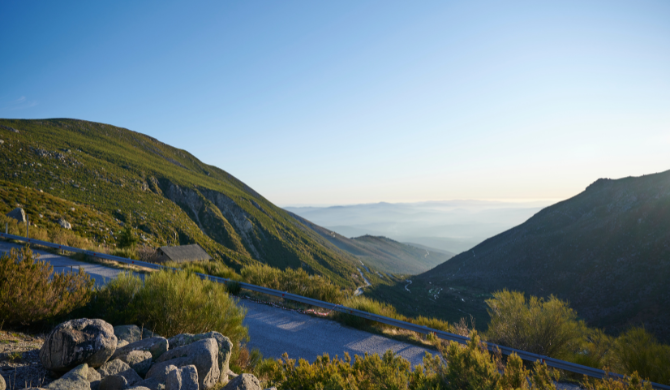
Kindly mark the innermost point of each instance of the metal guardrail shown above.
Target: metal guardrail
(528, 356)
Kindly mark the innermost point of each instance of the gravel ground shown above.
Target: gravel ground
(20, 364)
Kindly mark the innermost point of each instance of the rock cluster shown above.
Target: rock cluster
(93, 355)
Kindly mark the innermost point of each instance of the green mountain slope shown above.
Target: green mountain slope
(606, 251)
(170, 195)
(382, 253)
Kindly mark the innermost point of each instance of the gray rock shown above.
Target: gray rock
(138, 388)
(75, 379)
(93, 375)
(147, 334)
(64, 224)
(113, 382)
(130, 333)
(140, 361)
(185, 378)
(203, 354)
(244, 382)
(74, 342)
(18, 214)
(3, 385)
(224, 343)
(271, 388)
(156, 345)
(151, 384)
(119, 367)
(121, 343)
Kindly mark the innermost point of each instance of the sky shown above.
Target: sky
(346, 102)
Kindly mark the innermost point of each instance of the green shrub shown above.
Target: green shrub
(638, 351)
(432, 323)
(115, 301)
(460, 367)
(211, 267)
(170, 303)
(596, 350)
(546, 327)
(633, 382)
(368, 305)
(31, 292)
(293, 281)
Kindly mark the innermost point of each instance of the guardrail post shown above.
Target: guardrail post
(6, 227)
(27, 227)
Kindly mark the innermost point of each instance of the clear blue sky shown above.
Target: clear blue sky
(339, 102)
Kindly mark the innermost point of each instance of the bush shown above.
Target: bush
(31, 292)
(596, 350)
(632, 382)
(170, 303)
(210, 267)
(546, 327)
(639, 351)
(293, 281)
(114, 302)
(368, 305)
(461, 367)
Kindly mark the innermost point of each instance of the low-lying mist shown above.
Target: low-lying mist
(453, 226)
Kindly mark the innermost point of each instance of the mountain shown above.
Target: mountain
(382, 253)
(606, 251)
(99, 177)
(453, 226)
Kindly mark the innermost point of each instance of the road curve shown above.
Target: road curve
(273, 331)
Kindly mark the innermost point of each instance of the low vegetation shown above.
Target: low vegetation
(31, 293)
(294, 281)
(170, 303)
(551, 328)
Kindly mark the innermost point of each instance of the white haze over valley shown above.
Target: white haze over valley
(453, 226)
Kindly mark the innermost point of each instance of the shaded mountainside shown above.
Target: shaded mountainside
(85, 168)
(606, 251)
(383, 253)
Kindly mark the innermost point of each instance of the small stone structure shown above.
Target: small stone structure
(181, 253)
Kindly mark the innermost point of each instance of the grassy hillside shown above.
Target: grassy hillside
(382, 253)
(606, 251)
(99, 177)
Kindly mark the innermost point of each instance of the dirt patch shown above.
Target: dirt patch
(20, 364)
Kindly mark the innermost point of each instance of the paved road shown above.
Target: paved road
(98, 272)
(273, 331)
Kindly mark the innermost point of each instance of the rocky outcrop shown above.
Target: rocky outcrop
(76, 379)
(78, 341)
(64, 224)
(155, 345)
(244, 382)
(185, 378)
(217, 215)
(3, 385)
(224, 344)
(120, 368)
(194, 362)
(140, 361)
(129, 333)
(203, 354)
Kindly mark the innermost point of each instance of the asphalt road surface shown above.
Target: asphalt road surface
(98, 272)
(273, 331)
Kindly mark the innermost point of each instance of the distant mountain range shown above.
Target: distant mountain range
(606, 251)
(452, 226)
(383, 253)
